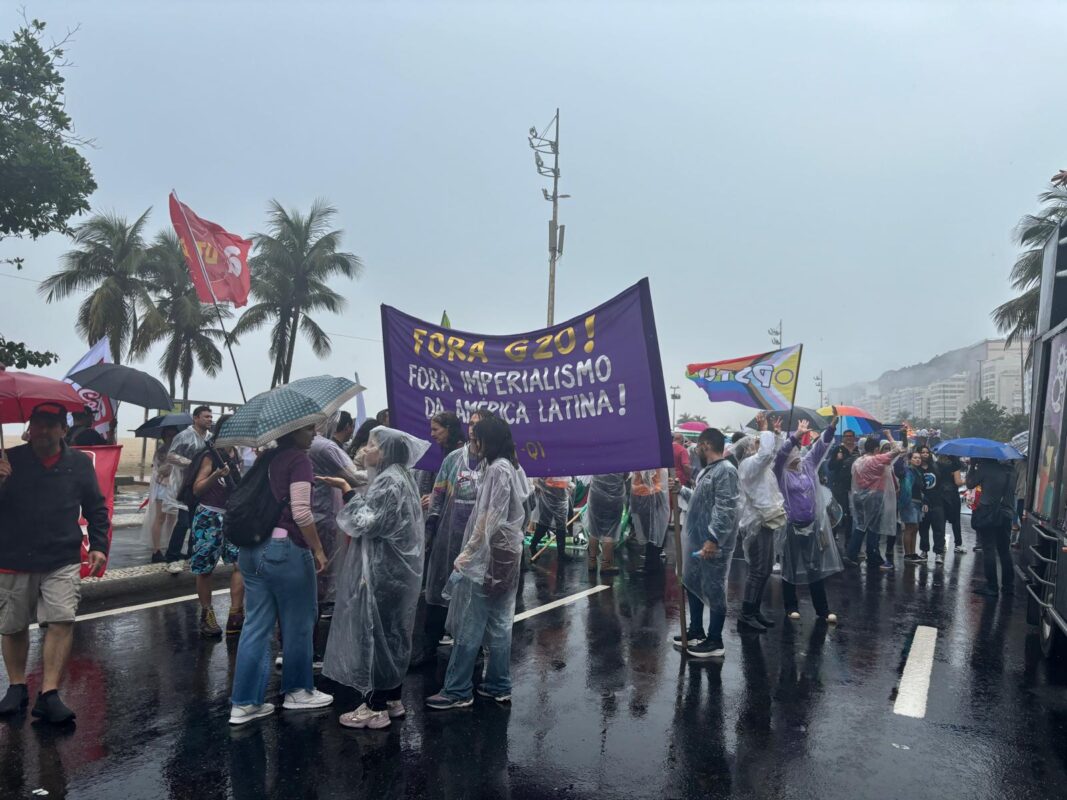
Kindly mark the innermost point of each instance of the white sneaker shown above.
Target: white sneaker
(278, 662)
(302, 699)
(939, 559)
(395, 709)
(239, 715)
(363, 717)
(174, 567)
(316, 666)
(777, 568)
(925, 554)
(447, 641)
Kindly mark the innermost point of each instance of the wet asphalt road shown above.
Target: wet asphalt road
(603, 708)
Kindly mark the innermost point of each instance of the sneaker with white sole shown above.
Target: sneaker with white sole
(239, 715)
(709, 648)
(364, 717)
(278, 662)
(447, 641)
(174, 567)
(395, 709)
(500, 698)
(441, 702)
(960, 549)
(302, 699)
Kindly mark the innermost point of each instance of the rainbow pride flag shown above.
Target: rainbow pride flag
(767, 380)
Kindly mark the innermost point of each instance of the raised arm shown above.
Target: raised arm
(822, 444)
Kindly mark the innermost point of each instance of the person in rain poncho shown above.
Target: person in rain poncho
(806, 544)
(874, 500)
(553, 504)
(483, 586)
(603, 519)
(162, 501)
(708, 545)
(650, 512)
(380, 579)
(180, 454)
(451, 505)
(762, 515)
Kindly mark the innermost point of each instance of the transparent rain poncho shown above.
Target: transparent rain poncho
(330, 460)
(161, 512)
(712, 509)
(650, 506)
(381, 577)
(491, 556)
(874, 494)
(603, 511)
(451, 506)
(553, 501)
(806, 549)
(761, 499)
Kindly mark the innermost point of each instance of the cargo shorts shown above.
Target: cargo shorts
(43, 597)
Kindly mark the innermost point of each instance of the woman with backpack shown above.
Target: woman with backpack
(279, 574)
(992, 521)
(380, 580)
(213, 475)
(486, 573)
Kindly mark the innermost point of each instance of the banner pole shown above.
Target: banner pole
(793, 400)
(679, 568)
(214, 300)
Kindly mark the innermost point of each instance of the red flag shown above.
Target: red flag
(106, 461)
(221, 271)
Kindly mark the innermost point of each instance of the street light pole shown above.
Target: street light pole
(776, 334)
(541, 144)
(819, 384)
(675, 397)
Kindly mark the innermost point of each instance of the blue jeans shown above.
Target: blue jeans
(874, 557)
(279, 587)
(489, 619)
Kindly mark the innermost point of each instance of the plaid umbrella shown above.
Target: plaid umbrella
(287, 408)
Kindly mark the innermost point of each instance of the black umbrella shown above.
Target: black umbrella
(817, 422)
(123, 383)
(153, 428)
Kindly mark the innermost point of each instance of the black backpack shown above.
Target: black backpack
(252, 510)
(186, 496)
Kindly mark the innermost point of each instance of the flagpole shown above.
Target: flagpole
(796, 383)
(214, 300)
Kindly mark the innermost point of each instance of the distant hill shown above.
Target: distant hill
(937, 368)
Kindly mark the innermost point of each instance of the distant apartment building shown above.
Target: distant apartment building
(940, 389)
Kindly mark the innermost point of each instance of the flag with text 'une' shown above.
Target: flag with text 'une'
(220, 272)
(767, 381)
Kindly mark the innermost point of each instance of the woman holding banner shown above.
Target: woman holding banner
(603, 519)
(650, 511)
(482, 587)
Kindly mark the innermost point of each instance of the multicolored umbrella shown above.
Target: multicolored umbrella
(287, 408)
(851, 418)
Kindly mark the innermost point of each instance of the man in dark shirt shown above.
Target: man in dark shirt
(839, 466)
(83, 434)
(45, 487)
(950, 479)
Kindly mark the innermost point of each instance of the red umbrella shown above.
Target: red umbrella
(21, 391)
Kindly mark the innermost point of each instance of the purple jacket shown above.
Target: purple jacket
(798, 487)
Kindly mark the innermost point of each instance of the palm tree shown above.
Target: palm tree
(1018, 316)
(107, 264)
(289, 275)
(178, 318)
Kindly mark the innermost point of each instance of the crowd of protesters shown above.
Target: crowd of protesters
(361, 535)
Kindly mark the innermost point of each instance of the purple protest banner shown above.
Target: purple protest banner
(583, 397)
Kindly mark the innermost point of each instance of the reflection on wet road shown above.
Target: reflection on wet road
(603, 707)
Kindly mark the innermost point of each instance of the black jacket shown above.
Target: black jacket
(40, 509)
(841, 472)
(997, 481)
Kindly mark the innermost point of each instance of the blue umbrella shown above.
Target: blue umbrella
(153, 428)
(978, 448)
(284, 409)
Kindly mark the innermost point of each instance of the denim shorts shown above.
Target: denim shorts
(911, 513)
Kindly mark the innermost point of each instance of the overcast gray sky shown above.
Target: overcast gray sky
(854, 169)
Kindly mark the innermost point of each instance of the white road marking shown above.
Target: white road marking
(139, 607)
(563, 601)
(533, 612)
(915, 682)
